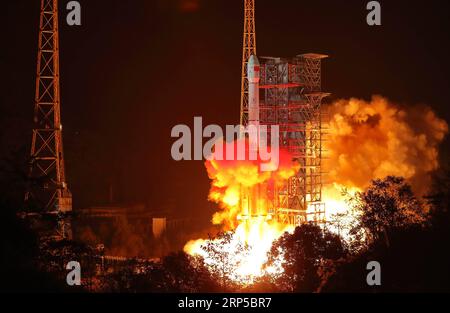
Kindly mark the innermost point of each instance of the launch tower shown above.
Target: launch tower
(47, 191)
(290, 96)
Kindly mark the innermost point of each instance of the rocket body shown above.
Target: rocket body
(253, 106)
(253, 74)
(254, 208)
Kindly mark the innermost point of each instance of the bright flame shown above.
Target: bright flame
(240, 189)
(258, 234)
(373, 139)
(339, 216)
(366, 141)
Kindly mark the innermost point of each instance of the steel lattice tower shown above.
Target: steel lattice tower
(292, 99)
(48, 189)
(248, 48)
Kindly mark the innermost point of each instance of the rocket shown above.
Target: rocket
(253, 74)
(253, 206)
(253, 77)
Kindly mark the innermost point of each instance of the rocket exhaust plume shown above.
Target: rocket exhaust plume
(373, 139)
(247, 217)
(366, 141)
(240, 188)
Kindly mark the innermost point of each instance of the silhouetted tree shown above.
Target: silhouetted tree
(416, 258)
(439, 198)
(224, 263)
(385, 204)
(188, 274)
(306, 254)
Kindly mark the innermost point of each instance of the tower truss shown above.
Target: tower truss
(248, 49)
(291, 98)
(48, 189)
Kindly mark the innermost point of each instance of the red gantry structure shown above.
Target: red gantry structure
(248, 49)
(48, 191)
(290, 96)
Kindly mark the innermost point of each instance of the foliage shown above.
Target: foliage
(415, 258)
(387, 203)
(223, 262)
(306, 253)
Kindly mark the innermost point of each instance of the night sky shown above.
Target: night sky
(136, 68)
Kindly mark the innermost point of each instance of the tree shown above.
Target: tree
(415, 258)
(187, 273)
(307, 254)
(387, 203)
(439, 198)
(221, 253)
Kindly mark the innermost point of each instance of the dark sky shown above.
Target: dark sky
(136, 68)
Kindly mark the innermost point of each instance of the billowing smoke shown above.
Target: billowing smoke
(369, 140)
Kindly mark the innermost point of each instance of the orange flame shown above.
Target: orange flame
(233, 182)
(366, 140)
(375, 139)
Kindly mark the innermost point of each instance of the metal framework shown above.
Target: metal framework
(291, 98)
(48, 188)
(248, 49)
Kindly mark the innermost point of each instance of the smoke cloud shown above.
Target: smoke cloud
(369, 140)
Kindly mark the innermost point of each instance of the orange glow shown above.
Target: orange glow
(365, 141)
(371, 140)
(238, 188)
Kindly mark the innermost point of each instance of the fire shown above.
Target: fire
(235, 184)
(373, 139)
(257, 235)
(365, 141)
